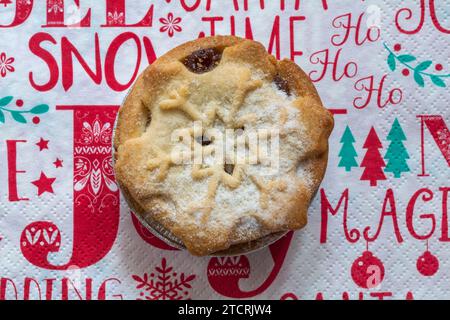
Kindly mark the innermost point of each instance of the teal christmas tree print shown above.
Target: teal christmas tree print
(348, 152)
(396, 155)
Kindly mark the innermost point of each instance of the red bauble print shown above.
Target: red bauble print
(427, 264)
(367, 271)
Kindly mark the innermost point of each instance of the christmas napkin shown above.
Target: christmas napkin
(378, 227)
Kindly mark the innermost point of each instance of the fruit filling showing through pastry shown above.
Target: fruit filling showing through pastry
(203, 140)
(203, 60)
(228, 147)
(229, 168)
(282, 84)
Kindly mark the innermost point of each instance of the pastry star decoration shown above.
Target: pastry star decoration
(163, 161)
(44, 184)
(268, 189)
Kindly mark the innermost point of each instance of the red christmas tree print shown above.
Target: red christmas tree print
(164, 284)
(373, 161)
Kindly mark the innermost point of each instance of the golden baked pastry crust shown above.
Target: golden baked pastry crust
(206, 208)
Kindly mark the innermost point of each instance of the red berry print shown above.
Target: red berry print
(398, 47)
(36, 120)
(405, 72)
(19, 102)
(439, 67)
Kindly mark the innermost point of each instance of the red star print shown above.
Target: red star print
(44, 184)
(58, 163)
(42, 144)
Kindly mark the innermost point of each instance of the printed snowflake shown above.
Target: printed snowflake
(6, 64)
(164, 284)
(5, 3)
(170, 24)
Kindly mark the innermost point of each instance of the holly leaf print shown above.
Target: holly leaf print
(5, 101)
(418, 69)
(39, 109)
(424, 65)
(438, 81)
(419, 79)
(18, 117)
(391, 62)
(406, 58)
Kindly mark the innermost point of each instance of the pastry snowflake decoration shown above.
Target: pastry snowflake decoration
(222, 144)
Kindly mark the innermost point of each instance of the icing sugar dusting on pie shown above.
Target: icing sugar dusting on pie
(222, 144)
